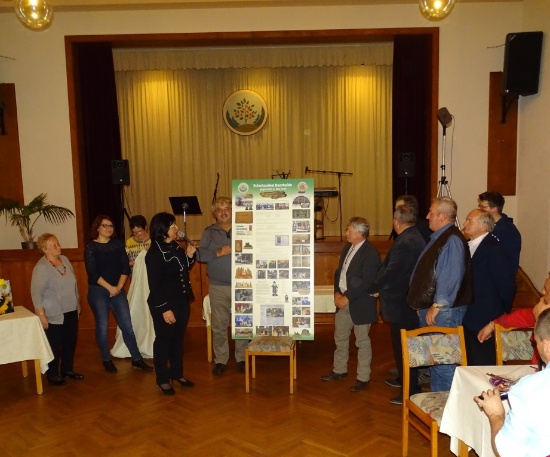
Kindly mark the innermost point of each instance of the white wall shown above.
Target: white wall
(467, 56)
(534, 156)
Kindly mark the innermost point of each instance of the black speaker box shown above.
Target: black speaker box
(444, 117)
(120, 172)
(522, 56)
(405, 165)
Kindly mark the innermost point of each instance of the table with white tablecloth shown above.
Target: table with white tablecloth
(23, 338)
(462, 418)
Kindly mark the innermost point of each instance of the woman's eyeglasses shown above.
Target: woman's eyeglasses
(107, 226)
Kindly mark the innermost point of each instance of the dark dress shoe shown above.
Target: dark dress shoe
(166, 389)
(219, 368)
(332, 376)
(395, 382)
(141, 365)
(72, 375)
(397, 400)
(110, 366)
(241, 366)
(184, 382)
(56, 380)
(359, 385)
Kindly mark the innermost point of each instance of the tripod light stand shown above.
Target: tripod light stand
(444, 189)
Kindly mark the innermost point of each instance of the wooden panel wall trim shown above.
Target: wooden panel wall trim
(10, 157)
(502, 141)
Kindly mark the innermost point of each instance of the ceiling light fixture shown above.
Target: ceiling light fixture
(435, 10)
(34, 14)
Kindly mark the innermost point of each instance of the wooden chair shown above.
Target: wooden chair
(426, 347)
(513, 344)
(272, 346)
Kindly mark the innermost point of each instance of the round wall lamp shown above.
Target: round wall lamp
(34, 14)
(435, 10)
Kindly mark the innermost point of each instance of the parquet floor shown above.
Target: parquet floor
(125, 415)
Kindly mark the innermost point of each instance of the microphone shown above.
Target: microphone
(185, 206)
(307, 170)
(181, 234)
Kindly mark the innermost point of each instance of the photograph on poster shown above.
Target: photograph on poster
(306, 311)
(283, 263)
(243, 259)
(260, 274)
(271, 274)
(238, 245)
(301, 322)
(282, 240)
(301, 226)
(300, 214)
(243, 284)
(263, 206)
(296, 301)
(261, 263)
(272, 264)
(272, 314)
(243, 320)
(243, 295)
(284, 274)
(280, 330)
(301, 287)
(296, 310)
(243, 308)
(243, 273)
(274, 289)
(306, 301)
(244, 217)
(306, 261)
(300, 273)
(247, 245)
(244, 333)
(282, 206)
(301, 202)
(264, 331)
(301, 238)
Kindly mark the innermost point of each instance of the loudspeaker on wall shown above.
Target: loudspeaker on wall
(522, 57)
(120, 172)
(405, 165)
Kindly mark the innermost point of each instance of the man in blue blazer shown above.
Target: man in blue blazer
(493, 273)
(355, 308)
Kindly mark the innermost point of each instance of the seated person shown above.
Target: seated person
(524, 430)
(524, 317)
(140, 240)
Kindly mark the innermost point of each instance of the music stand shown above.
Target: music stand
(192, 205)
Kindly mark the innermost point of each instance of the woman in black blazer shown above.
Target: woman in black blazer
(169, 298)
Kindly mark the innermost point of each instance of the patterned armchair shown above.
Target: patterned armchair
(513, 344)
(424, 347)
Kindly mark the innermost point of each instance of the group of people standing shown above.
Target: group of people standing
(432, 275)
(109, 263)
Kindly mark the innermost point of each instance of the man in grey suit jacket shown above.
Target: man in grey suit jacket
(355, 308)
(392, 284)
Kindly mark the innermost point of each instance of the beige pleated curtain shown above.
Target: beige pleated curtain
(328, 108)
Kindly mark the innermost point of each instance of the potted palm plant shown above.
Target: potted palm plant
(25, 216)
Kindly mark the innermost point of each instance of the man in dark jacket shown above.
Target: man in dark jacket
(493, 274)
(355, 308)
(392, 284)
(505, 230)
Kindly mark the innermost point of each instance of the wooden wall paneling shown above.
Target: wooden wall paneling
(10, 158)
(502, 142)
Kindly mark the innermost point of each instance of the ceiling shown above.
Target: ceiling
(90, 5)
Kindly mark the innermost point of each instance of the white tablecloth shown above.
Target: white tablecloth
(462, 418)
(139, 312)
(23, 338)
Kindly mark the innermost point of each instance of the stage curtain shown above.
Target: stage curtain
(327, 118)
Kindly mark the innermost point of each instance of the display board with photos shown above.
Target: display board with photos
(272, 266)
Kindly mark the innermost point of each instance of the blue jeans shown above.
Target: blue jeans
(101, 303)
(442, 375)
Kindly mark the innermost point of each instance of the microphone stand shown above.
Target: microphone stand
(340, 174)
(215, 190)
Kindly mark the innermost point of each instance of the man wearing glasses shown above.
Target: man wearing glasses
(505, 230)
